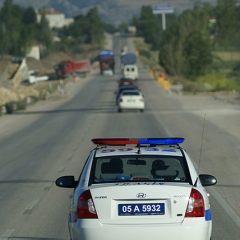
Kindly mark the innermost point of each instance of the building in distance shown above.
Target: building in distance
(56, 19)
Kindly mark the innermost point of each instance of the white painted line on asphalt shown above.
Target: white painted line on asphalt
(61, 168)
(225, 206)
(7, 234)
(30, 206)
(69, 157)
(48, 186)
(75, 148)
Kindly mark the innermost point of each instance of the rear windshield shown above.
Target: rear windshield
(140, 168)
(62, 66)
(127, 88)
(130, 93)
(130, 69)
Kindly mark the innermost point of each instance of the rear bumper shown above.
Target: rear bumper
(131, 106)
(199, 229)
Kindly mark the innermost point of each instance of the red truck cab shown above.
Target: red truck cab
(65, 68)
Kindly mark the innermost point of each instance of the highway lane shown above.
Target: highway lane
(50, 140)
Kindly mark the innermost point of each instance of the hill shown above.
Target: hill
(110, 11)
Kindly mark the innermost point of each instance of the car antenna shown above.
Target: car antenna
(139, 149)
(200, 149)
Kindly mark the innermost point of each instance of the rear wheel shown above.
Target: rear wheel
(119, 109)
(142, 110)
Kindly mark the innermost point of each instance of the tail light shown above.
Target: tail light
(120, 100)
(195, 206)
(86, 208)
(141, 100)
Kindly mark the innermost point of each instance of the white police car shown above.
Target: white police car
(139, 189)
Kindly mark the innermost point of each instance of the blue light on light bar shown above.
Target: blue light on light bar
(161, 141)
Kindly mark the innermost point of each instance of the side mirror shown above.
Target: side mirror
(66, 182)
(207, 180)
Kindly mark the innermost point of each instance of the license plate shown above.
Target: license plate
(141, 209)
(131, 100)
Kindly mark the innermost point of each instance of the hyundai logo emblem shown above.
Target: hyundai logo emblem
(141, 195)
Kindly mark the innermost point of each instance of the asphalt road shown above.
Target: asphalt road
(53, 138)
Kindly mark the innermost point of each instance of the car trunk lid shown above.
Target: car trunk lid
(140, 202)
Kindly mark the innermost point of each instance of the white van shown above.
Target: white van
(130, 71)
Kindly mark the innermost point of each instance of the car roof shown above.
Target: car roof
(116, 151)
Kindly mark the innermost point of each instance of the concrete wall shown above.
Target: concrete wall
(34, 52)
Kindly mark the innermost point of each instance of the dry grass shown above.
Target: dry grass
(228, 55)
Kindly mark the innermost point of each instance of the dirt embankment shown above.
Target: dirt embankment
(44, 66)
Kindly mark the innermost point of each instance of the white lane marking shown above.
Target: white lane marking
(61, 168)
(7, 234)
(48, 186)
(30, 206)
(75, 148)
(225, 206)
(69, 157)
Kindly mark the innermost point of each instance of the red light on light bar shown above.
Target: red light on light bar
(114, 141)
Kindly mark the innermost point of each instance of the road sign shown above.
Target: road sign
(162, 9)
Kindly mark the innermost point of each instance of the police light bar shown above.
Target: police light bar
(138, 141)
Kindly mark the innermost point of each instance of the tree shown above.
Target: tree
(95, 28)
(197, 54)
(147, 25)
(227, 22)
(29, 16)
(44, 32)
(110, 28)
(10, 18)
(84, 29)
(178, 53)
(123, 27)
(170, 51)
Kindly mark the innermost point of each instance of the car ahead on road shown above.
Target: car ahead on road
(139, 189)
(126, 82)
(123, 88)
(131, 100)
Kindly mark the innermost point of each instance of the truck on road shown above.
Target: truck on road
(106, 61)
(128, 59)
(129, 66)
(65, 68)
